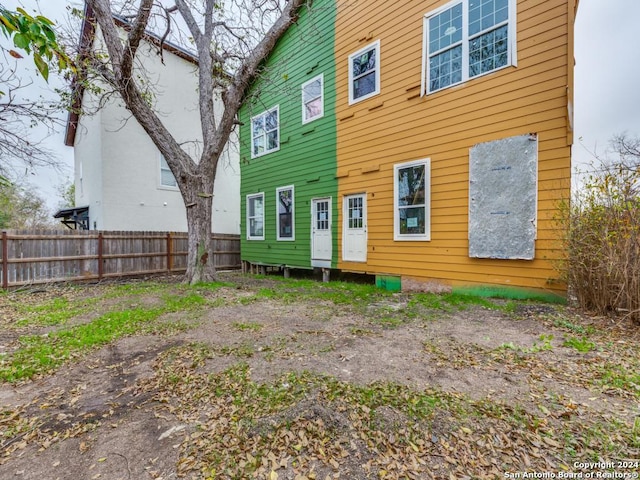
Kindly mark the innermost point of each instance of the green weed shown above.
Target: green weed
(574, 327)
(244, 350)
(617, 376)
(388, 321)
(211, 286)
(136, 289)
(243, 326)
(449, 302)
(580, 344)
(544, 345)
(360, 332)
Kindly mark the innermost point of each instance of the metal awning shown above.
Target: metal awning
(75, 218)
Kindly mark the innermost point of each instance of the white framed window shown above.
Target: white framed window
(313, 99)
(412, 198)
(364, 73)
(167, 180)
(265, 132)
(285, 221)
(465, 39)
(255, 216)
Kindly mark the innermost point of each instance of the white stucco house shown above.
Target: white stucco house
(119, 173)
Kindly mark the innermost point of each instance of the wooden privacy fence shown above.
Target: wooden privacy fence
(31, 257)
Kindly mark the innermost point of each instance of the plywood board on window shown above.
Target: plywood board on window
(503, 179)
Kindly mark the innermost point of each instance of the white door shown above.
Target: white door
(354, 236)
(321, 249)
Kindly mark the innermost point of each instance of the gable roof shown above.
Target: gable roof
(87, 36)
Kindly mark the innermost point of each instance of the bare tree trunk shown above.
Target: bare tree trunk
(195, 178)
(201, 257)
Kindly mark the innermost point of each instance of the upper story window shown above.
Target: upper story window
(265, 132)
(411, 191)
(467, 38)
(313, 99)
(364, 73)
(255, 216)
(166, 177)
(285, 219)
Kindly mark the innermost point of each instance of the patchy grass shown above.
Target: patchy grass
(620, 377)
(54, 312)
(338, 293)
(39, 354)
(450, 302)
(244, 326)
(312, 425)
(543, 344)
(574, 327)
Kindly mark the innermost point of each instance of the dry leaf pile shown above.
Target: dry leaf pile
(312, 427)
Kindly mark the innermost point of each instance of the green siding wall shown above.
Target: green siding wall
(307, 155)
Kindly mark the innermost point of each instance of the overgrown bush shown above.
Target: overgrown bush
(602, 241)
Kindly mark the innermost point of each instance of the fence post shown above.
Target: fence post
(5, 261)
(100, 267)
(169, 252)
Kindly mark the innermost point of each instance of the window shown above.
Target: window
(465, 39)
(411, 199)
(166, 177)
(265, 132)
(355, 211)
(364, 73)
(285, 220)
(255, 216)
(313, 99)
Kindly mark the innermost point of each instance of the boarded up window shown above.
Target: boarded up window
(503, 178)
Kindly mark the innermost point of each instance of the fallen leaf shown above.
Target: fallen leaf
(544, 409)
(551, 442)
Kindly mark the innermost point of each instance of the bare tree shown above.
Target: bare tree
(627, 149)
(19, 150)
(34, 36)
(231, 40)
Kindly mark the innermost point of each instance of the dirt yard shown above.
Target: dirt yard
(272, 379)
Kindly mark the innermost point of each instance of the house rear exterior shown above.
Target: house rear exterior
(452, 148)
(288, 150)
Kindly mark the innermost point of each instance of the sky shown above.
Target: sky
(607, 74)
(607, 82)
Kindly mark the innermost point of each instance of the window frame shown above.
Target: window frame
(426, 236)
(275, 108)
(375, 45)
(250, 197)
(293, 212)
(512, 58)
(163, 185)
(321, 114)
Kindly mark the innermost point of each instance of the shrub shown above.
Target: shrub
(602, 235)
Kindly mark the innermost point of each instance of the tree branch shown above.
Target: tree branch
(177, 159)
(249, 68)
(203, 42)
(134, 37)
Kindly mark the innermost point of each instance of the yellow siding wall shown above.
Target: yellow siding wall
(399, 125)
